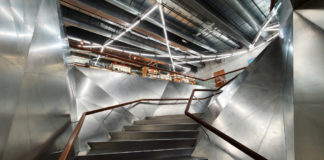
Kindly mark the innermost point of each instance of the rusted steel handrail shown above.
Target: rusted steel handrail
(69, 146)
(222, 135)
(272, 4)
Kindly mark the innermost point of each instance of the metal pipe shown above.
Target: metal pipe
(244, 13)
(225, 27)
(272, 14)
(129, 28)
(200, 23)
(155, 22)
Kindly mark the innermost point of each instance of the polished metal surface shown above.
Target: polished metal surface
(95, 88)
(308, 40)
(254, 115)
(34, 97)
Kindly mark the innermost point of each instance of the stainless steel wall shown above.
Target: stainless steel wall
(34, 96)
(277, 109)
(254, 115)
(308, 40)
(94, 88)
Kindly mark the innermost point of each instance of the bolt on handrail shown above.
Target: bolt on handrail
(222, 135)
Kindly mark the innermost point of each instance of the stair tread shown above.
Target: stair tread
(146, 145)
(157, 131)
(184, 158)
(152, 154)
(161, 127)
(165, 121)
(174, 116)
(151, 139)
(178, 139)
(154, 135)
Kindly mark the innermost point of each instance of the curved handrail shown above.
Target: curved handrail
(69, 146)
(143, 64)
(227, 138)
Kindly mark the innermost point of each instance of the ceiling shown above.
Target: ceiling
(194, 27)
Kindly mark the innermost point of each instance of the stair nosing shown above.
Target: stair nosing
(163, 131)
(156, 139)
(171, 139)
(168, 149)
(162, 124)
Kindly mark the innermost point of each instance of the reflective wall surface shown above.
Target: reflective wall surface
(254, 115)
(95, 88)
(308, 40)
(34, 97)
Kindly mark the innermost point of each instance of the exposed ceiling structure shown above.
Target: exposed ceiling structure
(197, 30)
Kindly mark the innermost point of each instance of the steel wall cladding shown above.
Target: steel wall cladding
(254, 115)
(308, 40)
(34, 97)
(95, 88)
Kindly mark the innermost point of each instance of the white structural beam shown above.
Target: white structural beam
(146, 14)
(272, 14)
(165, 33)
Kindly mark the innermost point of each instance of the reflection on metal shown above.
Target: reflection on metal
(308, 74)
(91, 92)
(34, 97)
(254, 113)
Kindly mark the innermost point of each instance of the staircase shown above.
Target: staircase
(171, 137)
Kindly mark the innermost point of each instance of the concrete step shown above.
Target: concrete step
(139, 145)
(153, 154)
(176, 116)
(165, 121)
(118, 136)
(162, 127)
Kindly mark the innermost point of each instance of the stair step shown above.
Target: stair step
(139, 145)
(165, 121)
(183, 158)
(153, 135)
(153, 154)
(175, 116)
(162, 127)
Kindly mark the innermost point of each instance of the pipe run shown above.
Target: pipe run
(129, 28)
(271, 15)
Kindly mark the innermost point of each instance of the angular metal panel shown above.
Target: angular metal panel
(308, 84)
(34, 98)
(254, 114)
(94, 89)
